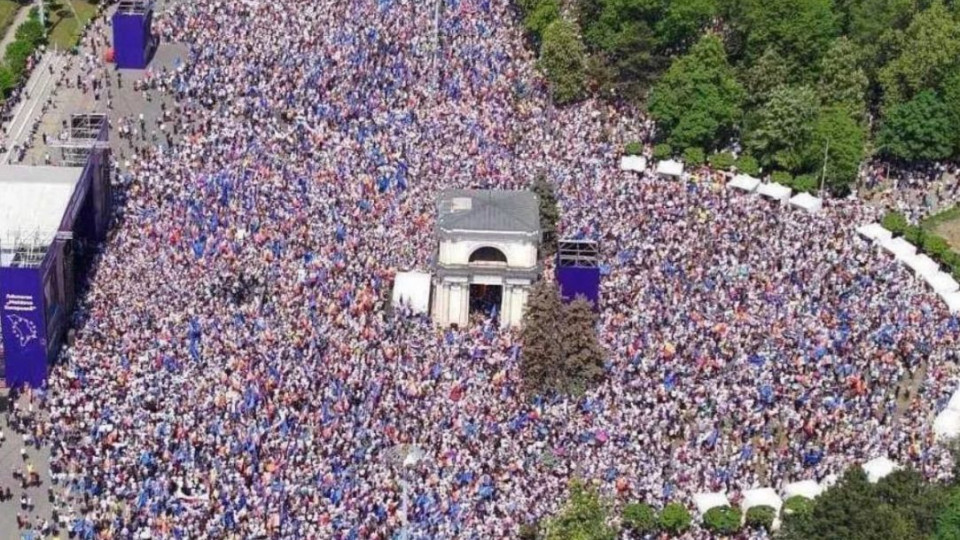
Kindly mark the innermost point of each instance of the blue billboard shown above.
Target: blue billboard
(24, 326)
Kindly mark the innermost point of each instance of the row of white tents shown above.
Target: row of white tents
(776, 192)
(947, 423)
(669, 167)
(875, 469)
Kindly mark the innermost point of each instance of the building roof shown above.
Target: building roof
(489, 210)
(32, 203)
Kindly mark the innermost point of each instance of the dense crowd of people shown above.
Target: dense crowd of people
(235, 373)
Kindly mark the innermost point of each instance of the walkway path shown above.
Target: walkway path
(11, 34)
(38, 90)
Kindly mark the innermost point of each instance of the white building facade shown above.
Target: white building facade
(488, 242)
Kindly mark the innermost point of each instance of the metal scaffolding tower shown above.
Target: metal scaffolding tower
(84, 135)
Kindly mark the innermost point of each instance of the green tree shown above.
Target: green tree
(877, 26)
(7, 80)
(698, 100)
(539, 15)
(920, 129)
(918, 501)
(930, 52)
(784, 128)
(583, 517)
(723, 520)
(17, 54)
(563, 59)
(948, 522)
(582, 354)
(761, 517)
(621, 33)
(843, 138)
(549, 214)
(800, 30)
(763, 76)
(682, 22)
(675, 518)
(31, 31)
(842, 81)
(639, 518)
(542, 352)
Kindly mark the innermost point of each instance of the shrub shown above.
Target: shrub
(761, 517)
(782, 177)
(914, 235)
(797, 505)
(31, 32)
(7, 80)
(805, 182)
(563, 60)
(694, 156)
(17, 54)
(748, 165)
(722, 520)
(722, 161)
(895, 223)
(529, 531)
(662, 151)
(633, 149)
(935, 246)
(675, 518)
(639, 518)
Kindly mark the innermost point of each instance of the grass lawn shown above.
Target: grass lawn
(8, 11)
(65, 26)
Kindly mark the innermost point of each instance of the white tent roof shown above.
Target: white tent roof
(761, 497)
(633, 163)
(954, 402)
(947, 424)
(744, 182)
(33, 201)
(921, 264)
(874, 231)
(775, 191)
(941, 282)
(807, 201)
(670, 167)
(898, 247)
(878, 468)
(952, 299)
(805, 488)
(706, 501)
(413, 289)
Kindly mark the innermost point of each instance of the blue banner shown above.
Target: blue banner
(24, 326)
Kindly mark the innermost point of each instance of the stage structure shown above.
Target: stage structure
(133, 39)
(578, 270)
(487, 254)
(50, 220)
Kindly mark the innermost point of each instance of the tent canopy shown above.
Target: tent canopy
(874, 231)
(412, 289)
(921, 264)
(775, 191)
(952, 299)
(807, 202)
(805, 488)
(761, 497)
(670, 167)
(878, 468)
(633, 163)
(899, 248)
(947, 424)
(941, 282)
(706, 501)
(744, 182)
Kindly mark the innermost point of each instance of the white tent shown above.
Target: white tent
(921, 264)
(952, 299)
(633, 163)
(775, 191)
(954, 402)
(828, 481)
(941, 282)
(706, 501)
(413, 289)
(807, 201)
(898, 247)
(878, 468)
(670, 167)
(744, 182)
(761, 497)
(947, 424)
(874, 231)
(805, 488)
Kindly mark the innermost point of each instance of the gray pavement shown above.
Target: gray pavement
(10, 459)
(39, 89)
